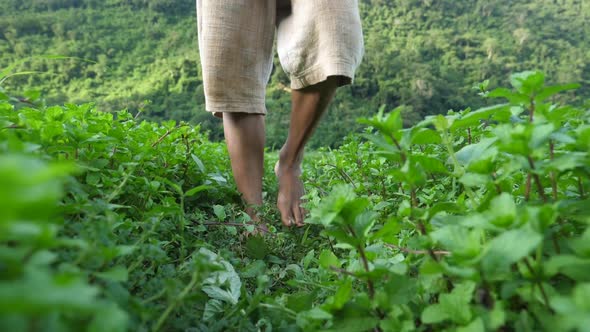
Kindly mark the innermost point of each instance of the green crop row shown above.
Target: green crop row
(471, 221)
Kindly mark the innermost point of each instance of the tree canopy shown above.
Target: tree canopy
(426, 55)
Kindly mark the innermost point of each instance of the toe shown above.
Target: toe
(286, 216)
(298, 215)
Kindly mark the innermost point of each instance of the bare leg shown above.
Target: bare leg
(244, 135)
(308, 105)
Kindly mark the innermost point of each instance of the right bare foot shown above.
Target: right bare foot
(289, 198)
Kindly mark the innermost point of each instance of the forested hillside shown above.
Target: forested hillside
(425, 54)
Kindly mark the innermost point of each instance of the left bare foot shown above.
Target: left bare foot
(260, 227)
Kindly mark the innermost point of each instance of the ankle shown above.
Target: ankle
(289, 161)
(253, 212)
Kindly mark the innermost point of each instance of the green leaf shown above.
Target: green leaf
(473, 152)
(389, 125)
(434, 313)
(425, 136)
(541, 135)
(256, 247)
(440, 122)
(474, 119)
(327, 259)
(354, 324)
(363, 224)
(549, 91)
(581, 245)
(430, 164)
(117, 274)
(254, 269)
(572, 311)
(123, 250)
(109, 318)
(212, 308)
(389, 230)
(502, 211)
(581, 296)
(199, 163)
(508, 248)
(343, 294)
(219, 212)
(527, 82)
(462, 242)
(569, 161)
(475, 326)
(222, 285)
(300, 301)
(38, 292)
(175, 186)
(475, 180)
(340, 207)
(456, 304)
(310, 257)
(513, 97)
(399, 289)
(197, 190)
(317, 314)
(572, 266)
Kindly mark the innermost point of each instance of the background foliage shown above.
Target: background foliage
(423, 54)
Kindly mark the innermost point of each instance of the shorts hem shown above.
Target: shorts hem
(218, 108)
(321, 73)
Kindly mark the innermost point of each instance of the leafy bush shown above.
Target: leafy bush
(481, 223)
(473, 221)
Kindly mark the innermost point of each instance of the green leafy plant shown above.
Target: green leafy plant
(472, 221)
(490, 226)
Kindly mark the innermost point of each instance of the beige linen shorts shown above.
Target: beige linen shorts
(315, 39)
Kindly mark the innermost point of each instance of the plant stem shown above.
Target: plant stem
(342, 271)
(418, 252)
(401, 151)
(538, 283)
(581, 188)
(458, 169)
(540, 188)
(413, 197)
(553, 177)
(119, 187)
(187, 155)
(154, 297)
(359, 164)
(286, 310)
(112, 159)
(527, 190)
(14, 127)
(175, 302)
(344, 175)
(365, 261)
(168, 132)
(498, 188)
(555, 243)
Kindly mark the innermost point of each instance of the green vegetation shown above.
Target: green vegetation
(422, 54)
(122, 216)
(472, 221)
